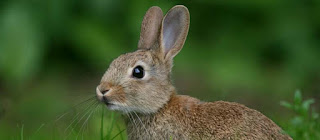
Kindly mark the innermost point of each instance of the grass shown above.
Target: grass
(21, 132)
(101, 130)
(87, 123)
(108, 136)
(303, 124)
(111, 127)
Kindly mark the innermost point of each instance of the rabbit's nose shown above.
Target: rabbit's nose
(104, 91)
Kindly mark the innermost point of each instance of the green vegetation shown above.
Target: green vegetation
(54, 52)
(305, 124)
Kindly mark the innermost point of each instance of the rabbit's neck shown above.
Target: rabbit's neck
(162, 123)
(133, 117)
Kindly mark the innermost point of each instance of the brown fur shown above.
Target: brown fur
(151, 106)
(185, 117)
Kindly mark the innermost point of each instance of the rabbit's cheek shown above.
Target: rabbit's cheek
(117, 95)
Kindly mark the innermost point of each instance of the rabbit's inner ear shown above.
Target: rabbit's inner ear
(174, 31)
(150, 28)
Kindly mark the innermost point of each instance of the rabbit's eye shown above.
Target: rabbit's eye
(138, 72)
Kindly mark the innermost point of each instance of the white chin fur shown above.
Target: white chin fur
(113, 107)
(126, 109)
(118, 107)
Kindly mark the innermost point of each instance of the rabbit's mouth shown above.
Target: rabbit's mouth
(109, 104)
(107, 101)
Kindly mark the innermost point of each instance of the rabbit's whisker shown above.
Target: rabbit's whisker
(72, 121)
(141, 123)
(78, 115)
(87, 110)
(129, 134)
(86, 121)
(132, 120)
(75, 107)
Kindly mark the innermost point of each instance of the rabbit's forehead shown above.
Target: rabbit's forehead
(130, 59)
(119, 67)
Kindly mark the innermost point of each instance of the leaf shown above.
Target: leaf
(297, 97)
(297, 121)
(286, 104)
(314, 115)
(306, 104)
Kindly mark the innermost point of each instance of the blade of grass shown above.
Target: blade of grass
(118, 134)
(111, 127)
(21, 132)
(101, 129)
(39, 128)
(119, 129)
(37, 131)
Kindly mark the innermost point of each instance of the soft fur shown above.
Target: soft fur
(153, 109)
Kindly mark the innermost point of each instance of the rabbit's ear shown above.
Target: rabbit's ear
(150, 28)
(174, 31)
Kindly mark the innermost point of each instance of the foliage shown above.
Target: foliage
(305, 125)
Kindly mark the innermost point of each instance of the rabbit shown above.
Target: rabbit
(139, 85)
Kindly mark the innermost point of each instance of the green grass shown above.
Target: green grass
(103, 125)
(304, 124)
(101, 130)
(109, 133)
(21, 132)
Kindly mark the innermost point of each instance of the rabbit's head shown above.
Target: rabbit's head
(140, 81)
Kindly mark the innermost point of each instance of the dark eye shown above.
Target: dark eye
(138, 72)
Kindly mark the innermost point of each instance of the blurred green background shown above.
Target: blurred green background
(54, 52)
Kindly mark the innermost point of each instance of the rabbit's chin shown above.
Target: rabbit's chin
(116, 107)
(113, 107)
(126, 109)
